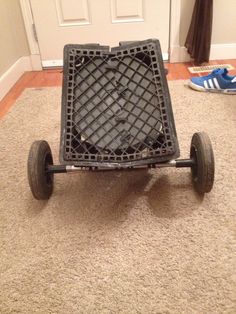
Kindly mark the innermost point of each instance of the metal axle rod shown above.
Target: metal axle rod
(178, 163)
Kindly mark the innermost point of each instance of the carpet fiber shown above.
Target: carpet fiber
(118, 242)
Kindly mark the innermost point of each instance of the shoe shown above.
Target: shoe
(218, 81)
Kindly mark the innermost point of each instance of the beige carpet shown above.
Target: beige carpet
(136, 242)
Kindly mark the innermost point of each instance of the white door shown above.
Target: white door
(60, 22)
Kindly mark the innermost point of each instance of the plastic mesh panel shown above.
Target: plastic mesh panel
(116, 105)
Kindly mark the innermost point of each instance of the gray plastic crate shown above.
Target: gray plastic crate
(116, 106)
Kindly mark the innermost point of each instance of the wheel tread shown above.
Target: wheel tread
(40, 189)
(206, 163)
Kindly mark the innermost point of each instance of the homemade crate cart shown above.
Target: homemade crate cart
(116, 114)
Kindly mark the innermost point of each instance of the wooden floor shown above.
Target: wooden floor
(47, 78)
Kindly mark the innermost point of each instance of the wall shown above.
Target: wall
(12, 33)
(224, 21)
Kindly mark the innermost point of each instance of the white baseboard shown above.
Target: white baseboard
(52, 63)
(11, 76)
(59, 62)
(165, 56)
(179, 54)
(36, 62)
(218, 51)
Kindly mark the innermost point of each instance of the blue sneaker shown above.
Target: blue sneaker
(218, 81)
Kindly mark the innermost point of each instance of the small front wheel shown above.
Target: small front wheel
(204, 165)
(40, 182)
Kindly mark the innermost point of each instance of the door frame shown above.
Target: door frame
(31, 35)
(175, 53)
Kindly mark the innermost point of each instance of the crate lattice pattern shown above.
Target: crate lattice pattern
(115, 106)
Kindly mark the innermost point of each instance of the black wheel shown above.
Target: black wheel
(204, 168)
(40, 182)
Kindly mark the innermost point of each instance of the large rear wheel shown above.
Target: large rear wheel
(204, 165)
(40, 181)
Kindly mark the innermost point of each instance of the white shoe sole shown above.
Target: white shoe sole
(203, 89)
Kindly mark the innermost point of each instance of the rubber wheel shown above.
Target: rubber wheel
(40, 182)
(204, 169)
